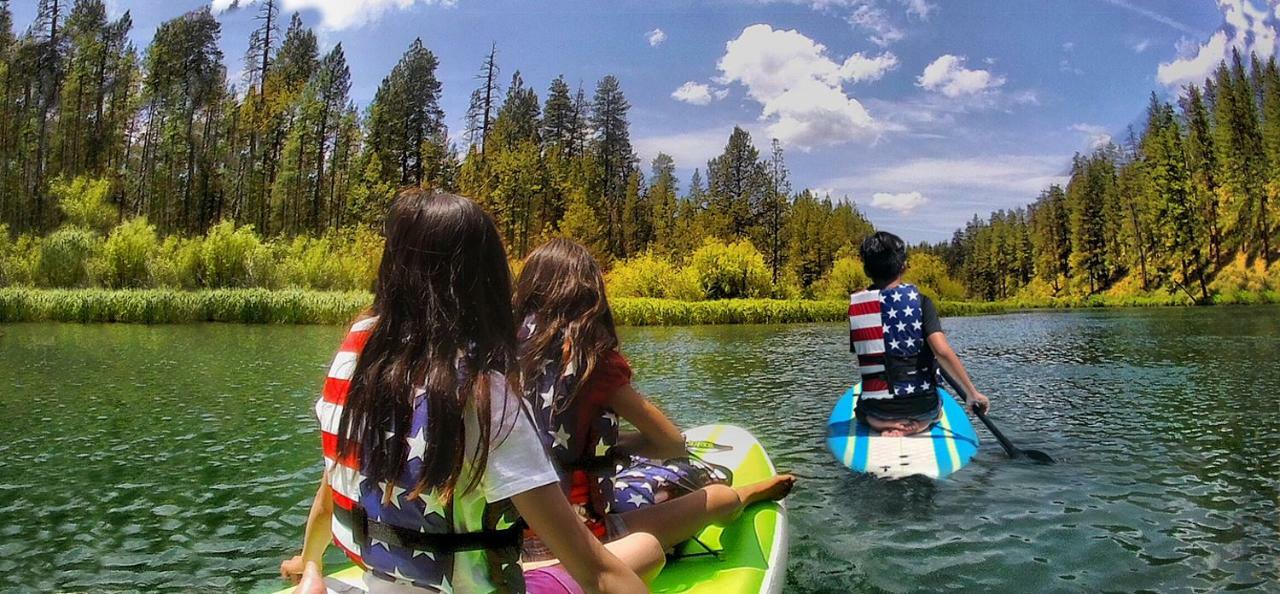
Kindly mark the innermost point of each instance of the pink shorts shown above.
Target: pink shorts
(550, 580)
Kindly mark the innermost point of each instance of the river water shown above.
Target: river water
(180, 458)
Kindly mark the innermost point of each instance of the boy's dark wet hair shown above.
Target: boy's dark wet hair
(884, 257)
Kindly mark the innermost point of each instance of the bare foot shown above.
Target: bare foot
(897, 428)
(770, 489)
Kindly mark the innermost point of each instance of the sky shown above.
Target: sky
(922, 112)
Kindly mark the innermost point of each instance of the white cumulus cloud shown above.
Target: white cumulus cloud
(1097, 136)
(919, 8)
(697, 93)
(902, 203)
(948, 75)
(1247, 26)
(339, 14)
(691, 148)
(800, 88)
(879, 19)
(655, 37)
(1015, 178)
(876, 20)
(862, 68)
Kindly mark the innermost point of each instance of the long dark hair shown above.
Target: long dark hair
(562, 287)
(442, 300)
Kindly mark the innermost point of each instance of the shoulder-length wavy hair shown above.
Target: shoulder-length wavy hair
(442, 300)
(562, 288)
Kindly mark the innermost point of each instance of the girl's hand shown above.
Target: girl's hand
(979, 402)
(312, 581)
(291, 569)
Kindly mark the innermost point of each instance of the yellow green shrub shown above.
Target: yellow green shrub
(83, 202)
(929, 272)
(127, 254)
(845, 278)
(64, 258)
(234, 257)
(730, 271)
(645, 275)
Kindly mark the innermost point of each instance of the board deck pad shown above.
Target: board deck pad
(937, 453)
(750, 553)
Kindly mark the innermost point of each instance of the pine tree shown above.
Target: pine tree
(737, 183)
(559, 119)
(662, 197)
(1052, 238)
(1203, 166)
(518, 120)
(774, 208)
(1267, 224)
(1240, 153)
(48, 61)
(1170, 180)
(320, 112)
(184, 90)
(484, 106)
(582, 118)
(405, 115)
(1086, 199)
(637, 222)
(613, 151)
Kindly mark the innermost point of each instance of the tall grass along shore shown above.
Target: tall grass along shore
(297, 306)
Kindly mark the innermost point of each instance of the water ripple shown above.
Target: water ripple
(186, 456)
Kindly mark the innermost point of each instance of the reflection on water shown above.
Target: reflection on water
(183, 457)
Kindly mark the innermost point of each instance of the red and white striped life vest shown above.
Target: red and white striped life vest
(886, 332)
(344, 474)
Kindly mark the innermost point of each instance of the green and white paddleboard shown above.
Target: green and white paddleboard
(749, 555)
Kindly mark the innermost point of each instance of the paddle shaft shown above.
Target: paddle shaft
(1008, 446)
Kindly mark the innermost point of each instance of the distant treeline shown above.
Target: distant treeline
(286, 151)
(111, 157)
(1187, 206)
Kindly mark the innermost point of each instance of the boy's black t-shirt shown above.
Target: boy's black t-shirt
(929, 317)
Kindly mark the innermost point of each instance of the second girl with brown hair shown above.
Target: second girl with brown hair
(577, 384)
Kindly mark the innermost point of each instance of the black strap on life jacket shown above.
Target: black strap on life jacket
(366, 530)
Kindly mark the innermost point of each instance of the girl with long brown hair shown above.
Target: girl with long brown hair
(432, 464)
(577, 384)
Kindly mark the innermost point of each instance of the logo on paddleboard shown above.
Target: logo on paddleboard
(708, 446)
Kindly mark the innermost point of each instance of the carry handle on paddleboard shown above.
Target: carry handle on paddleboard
(1008, 446)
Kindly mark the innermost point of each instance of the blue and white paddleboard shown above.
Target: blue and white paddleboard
(943, 449)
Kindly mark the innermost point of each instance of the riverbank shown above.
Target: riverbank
(296, 306)
(262, 306)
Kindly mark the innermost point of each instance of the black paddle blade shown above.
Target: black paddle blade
(1038, 456)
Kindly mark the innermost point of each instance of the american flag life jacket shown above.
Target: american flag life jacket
(579, 436)
(445, 546)
(886, 331)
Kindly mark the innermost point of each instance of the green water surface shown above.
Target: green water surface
(183, 458)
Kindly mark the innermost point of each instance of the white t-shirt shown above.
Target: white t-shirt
(517, 460)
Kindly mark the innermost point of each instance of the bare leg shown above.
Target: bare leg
(896, 427)
(679, 519)
(642, 552)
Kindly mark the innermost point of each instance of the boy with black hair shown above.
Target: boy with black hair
(896, 334)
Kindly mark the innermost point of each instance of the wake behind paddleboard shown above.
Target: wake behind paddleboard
(748, 555)
(937, 453)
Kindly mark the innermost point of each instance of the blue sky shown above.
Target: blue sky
(923, 112)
